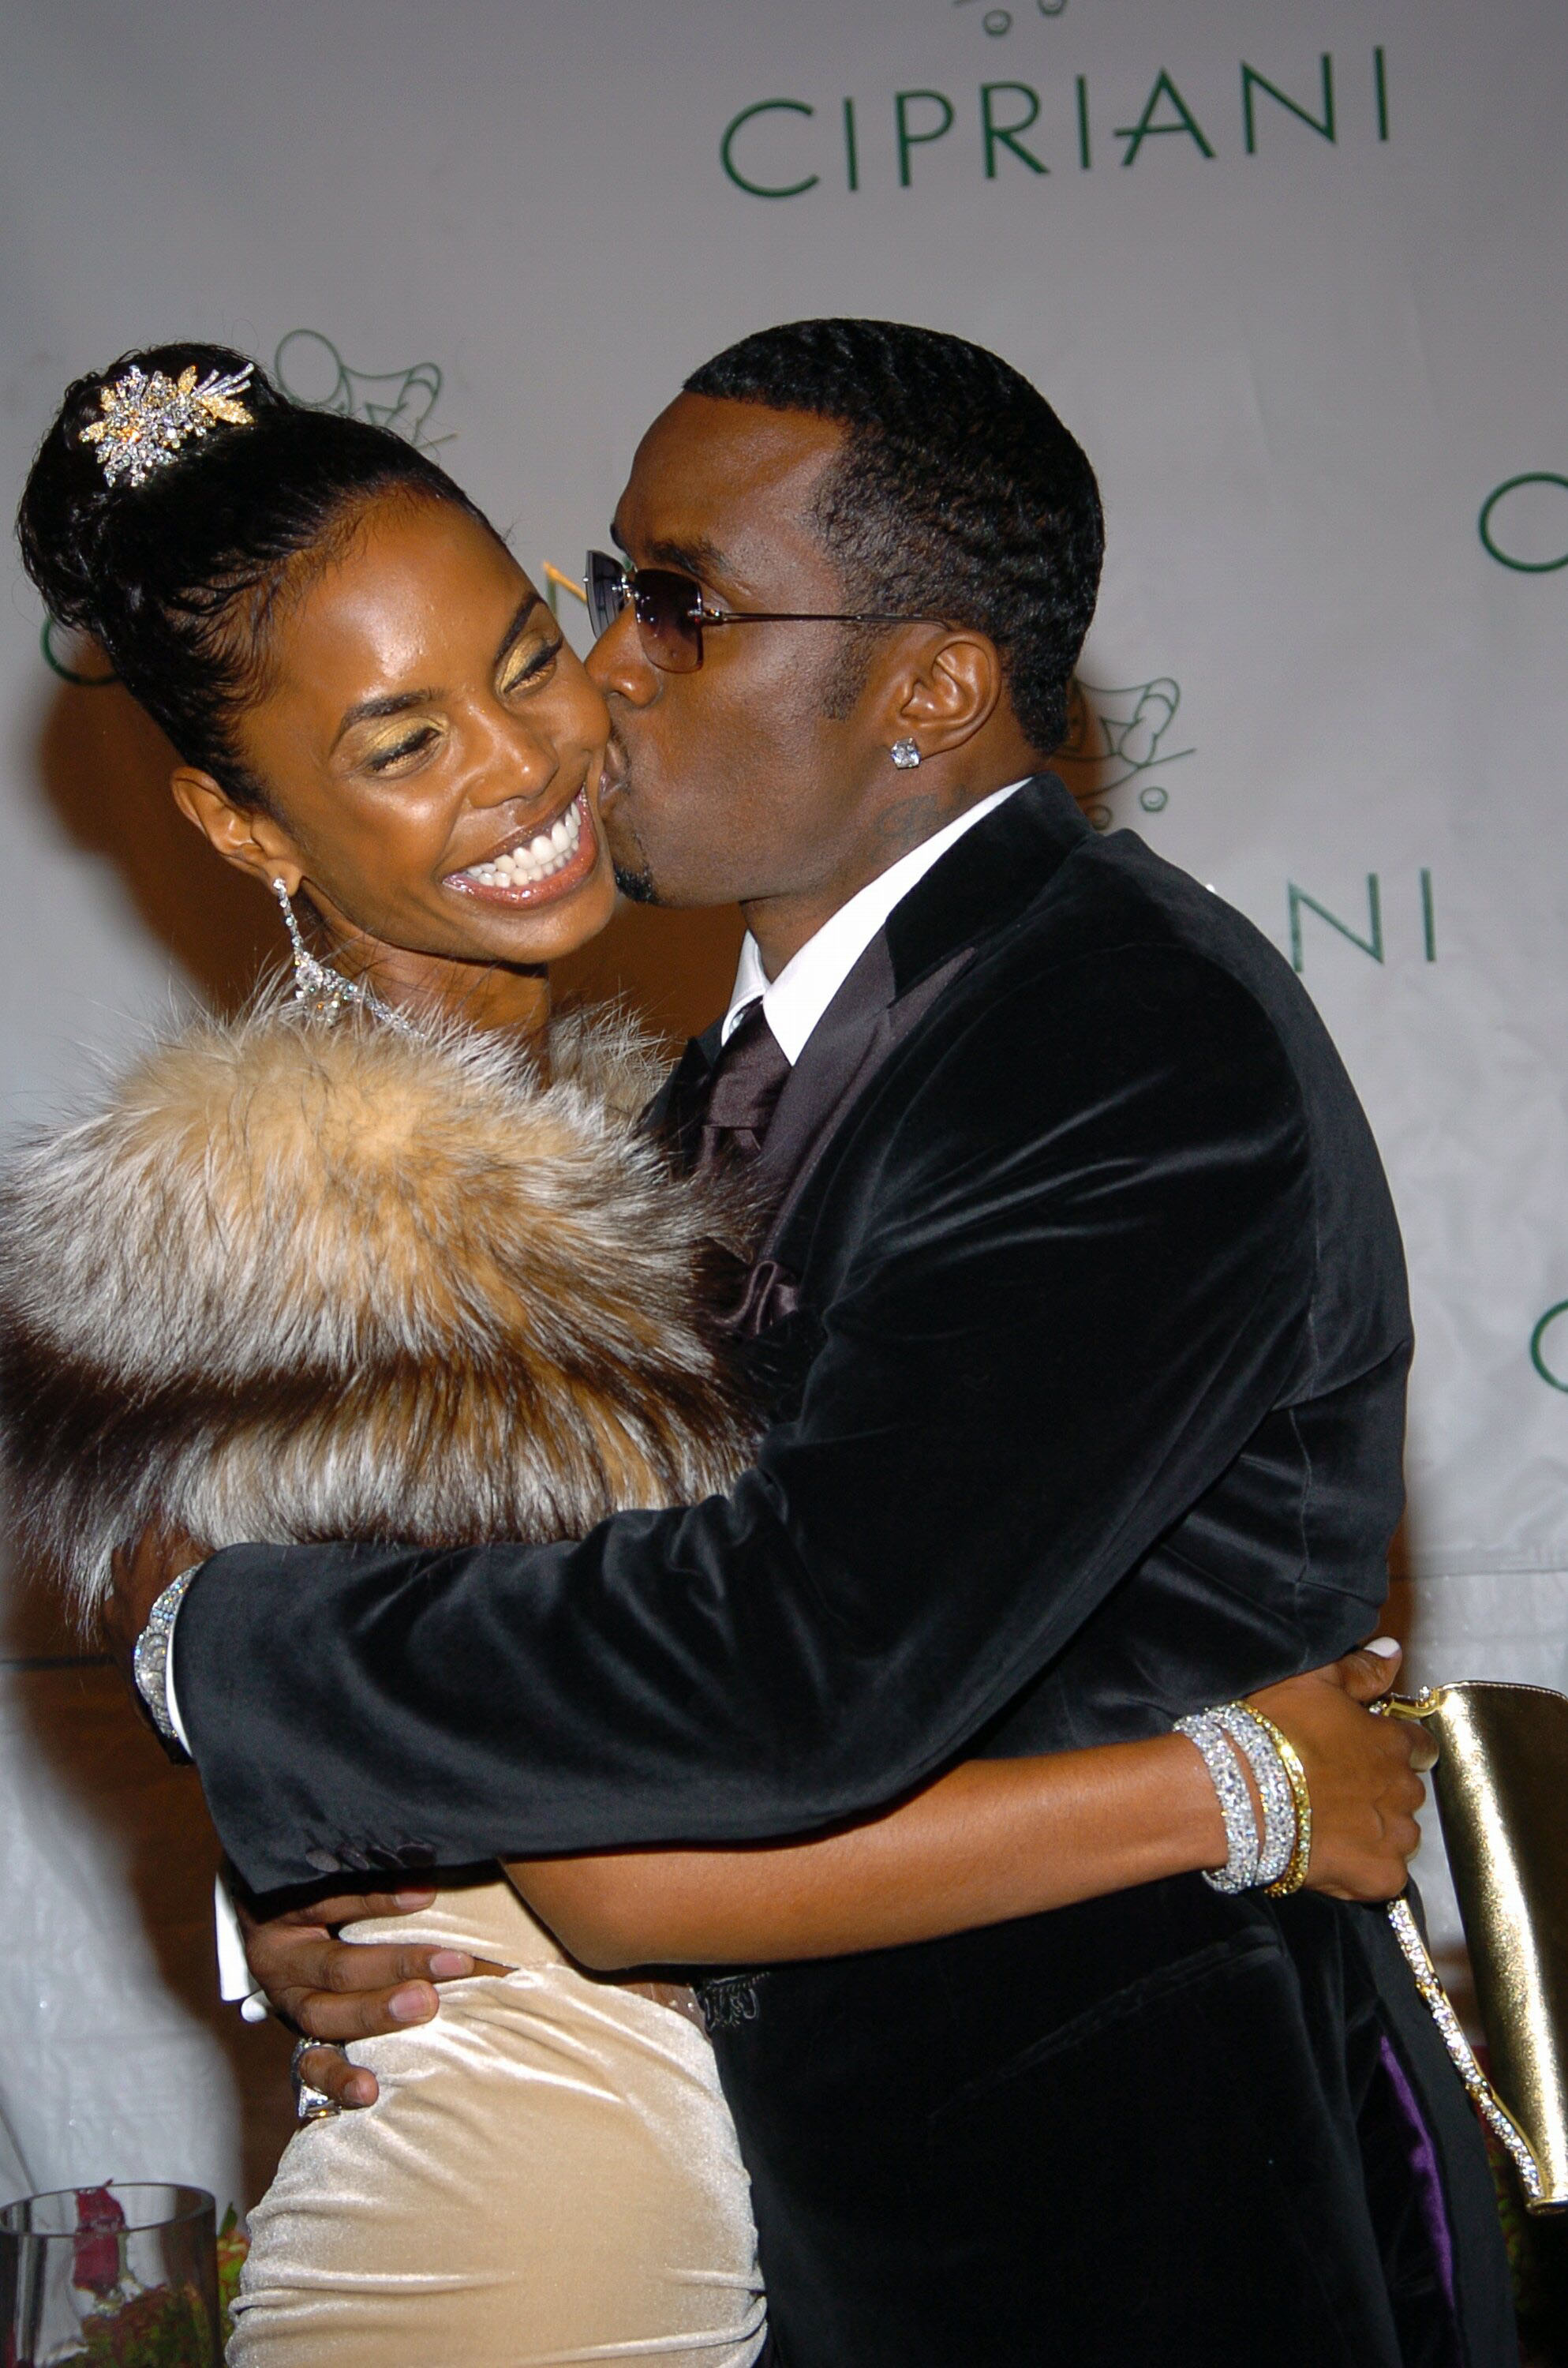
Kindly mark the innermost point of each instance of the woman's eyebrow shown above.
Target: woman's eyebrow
(365, 711)
(397, 702)
(526, 607)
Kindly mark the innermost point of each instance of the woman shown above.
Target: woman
(394, 1279)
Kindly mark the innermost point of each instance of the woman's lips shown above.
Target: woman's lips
(549, 864)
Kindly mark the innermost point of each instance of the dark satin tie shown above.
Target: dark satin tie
(744, 1088)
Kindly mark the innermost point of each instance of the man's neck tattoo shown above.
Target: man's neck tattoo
(911, 820)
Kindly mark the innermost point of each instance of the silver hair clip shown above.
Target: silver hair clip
(147, 419)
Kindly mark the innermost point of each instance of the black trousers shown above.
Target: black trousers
(1159, 2129)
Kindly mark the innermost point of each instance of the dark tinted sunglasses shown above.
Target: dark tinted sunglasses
(671, 615)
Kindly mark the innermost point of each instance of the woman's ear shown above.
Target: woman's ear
(251, 841)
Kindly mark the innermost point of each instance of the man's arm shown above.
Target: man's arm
(1064, 1293)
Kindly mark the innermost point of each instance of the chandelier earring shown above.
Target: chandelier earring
(324, 991)
(906, 755)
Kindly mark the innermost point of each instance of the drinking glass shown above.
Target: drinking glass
(127, 2276)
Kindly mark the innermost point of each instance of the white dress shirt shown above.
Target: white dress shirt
(792, 1004)
(794, 1001)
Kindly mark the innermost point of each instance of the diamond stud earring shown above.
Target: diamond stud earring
(906, 755)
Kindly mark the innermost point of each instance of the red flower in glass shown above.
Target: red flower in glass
(99, 2220)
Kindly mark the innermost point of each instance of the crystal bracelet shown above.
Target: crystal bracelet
(1240, 1870)
(1295, 1874)
(151, 1660)
(1257, 1738)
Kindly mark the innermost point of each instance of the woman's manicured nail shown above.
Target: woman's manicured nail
(408, 1900)
(450, 1964)
(409, 2006)
(1387, 1648)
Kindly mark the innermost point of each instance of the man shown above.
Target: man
(1085, 1312)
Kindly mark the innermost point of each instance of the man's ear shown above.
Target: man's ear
(250, 840)
(951, 694)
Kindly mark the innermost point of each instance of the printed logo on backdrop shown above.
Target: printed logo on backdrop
(997, 21)
(1116, 736)
(73, 659)
(1524, 523)
(1412, 930)
(310, 372)
(1548, 1354)
(786, 146)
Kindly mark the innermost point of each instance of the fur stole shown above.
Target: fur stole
(292, 1280)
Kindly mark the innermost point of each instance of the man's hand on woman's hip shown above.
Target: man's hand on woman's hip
(338, 1990)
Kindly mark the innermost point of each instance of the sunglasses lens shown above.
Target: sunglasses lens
(605, 583)
(668, 607)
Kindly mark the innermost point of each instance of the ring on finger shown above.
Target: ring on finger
(311, 2103)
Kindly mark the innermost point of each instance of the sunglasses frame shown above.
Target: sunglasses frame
(605, 605)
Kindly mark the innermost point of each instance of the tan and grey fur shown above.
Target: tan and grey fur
(292, 1280)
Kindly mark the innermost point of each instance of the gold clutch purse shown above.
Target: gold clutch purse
(1502, 1788)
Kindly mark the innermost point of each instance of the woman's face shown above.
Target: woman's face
(432, 748)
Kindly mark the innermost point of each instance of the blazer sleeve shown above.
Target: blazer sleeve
(1059, 1294)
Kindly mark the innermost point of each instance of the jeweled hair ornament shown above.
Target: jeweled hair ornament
(146, 420)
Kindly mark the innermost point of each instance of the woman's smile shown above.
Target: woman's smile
(534, 867)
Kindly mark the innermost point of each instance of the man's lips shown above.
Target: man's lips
(531, 867)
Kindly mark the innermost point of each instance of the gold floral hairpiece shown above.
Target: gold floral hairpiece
(147, 419)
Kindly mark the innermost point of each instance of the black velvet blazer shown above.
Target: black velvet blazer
(1090, 1412)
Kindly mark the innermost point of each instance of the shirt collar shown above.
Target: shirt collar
(795, 1001)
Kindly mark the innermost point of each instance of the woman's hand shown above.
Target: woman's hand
(1361, 1771)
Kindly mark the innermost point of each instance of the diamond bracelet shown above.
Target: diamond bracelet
(1258, 1739)
(150, 1662)
(1240, 1870)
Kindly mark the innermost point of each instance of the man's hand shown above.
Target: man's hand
(1360, 1770)
(338, 1990)
(137, 1575)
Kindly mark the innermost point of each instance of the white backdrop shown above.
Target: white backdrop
(1295, 274)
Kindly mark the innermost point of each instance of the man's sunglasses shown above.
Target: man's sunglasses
(671, 615)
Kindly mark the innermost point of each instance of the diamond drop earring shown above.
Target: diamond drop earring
(321, 990)
(326, 991)
(906, 755)
(305, 966)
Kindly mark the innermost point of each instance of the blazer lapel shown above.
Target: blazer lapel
(979, 887)
(988, 879)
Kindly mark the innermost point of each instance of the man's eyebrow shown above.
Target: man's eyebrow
(700, 558)
(367, 710)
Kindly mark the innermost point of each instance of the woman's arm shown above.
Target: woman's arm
(997, 1838)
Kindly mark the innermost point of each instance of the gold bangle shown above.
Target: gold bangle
(1295, 1873)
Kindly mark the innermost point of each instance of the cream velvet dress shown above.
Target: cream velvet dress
(550, 2175)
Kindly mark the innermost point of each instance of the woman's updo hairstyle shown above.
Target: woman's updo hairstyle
(176, 577)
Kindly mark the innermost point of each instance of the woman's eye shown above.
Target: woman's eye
(524, 672)
(403, 750)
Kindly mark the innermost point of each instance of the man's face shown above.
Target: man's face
(736, 783)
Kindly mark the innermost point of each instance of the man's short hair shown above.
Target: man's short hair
(959, 493)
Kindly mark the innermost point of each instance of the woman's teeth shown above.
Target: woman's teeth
(525, 865)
